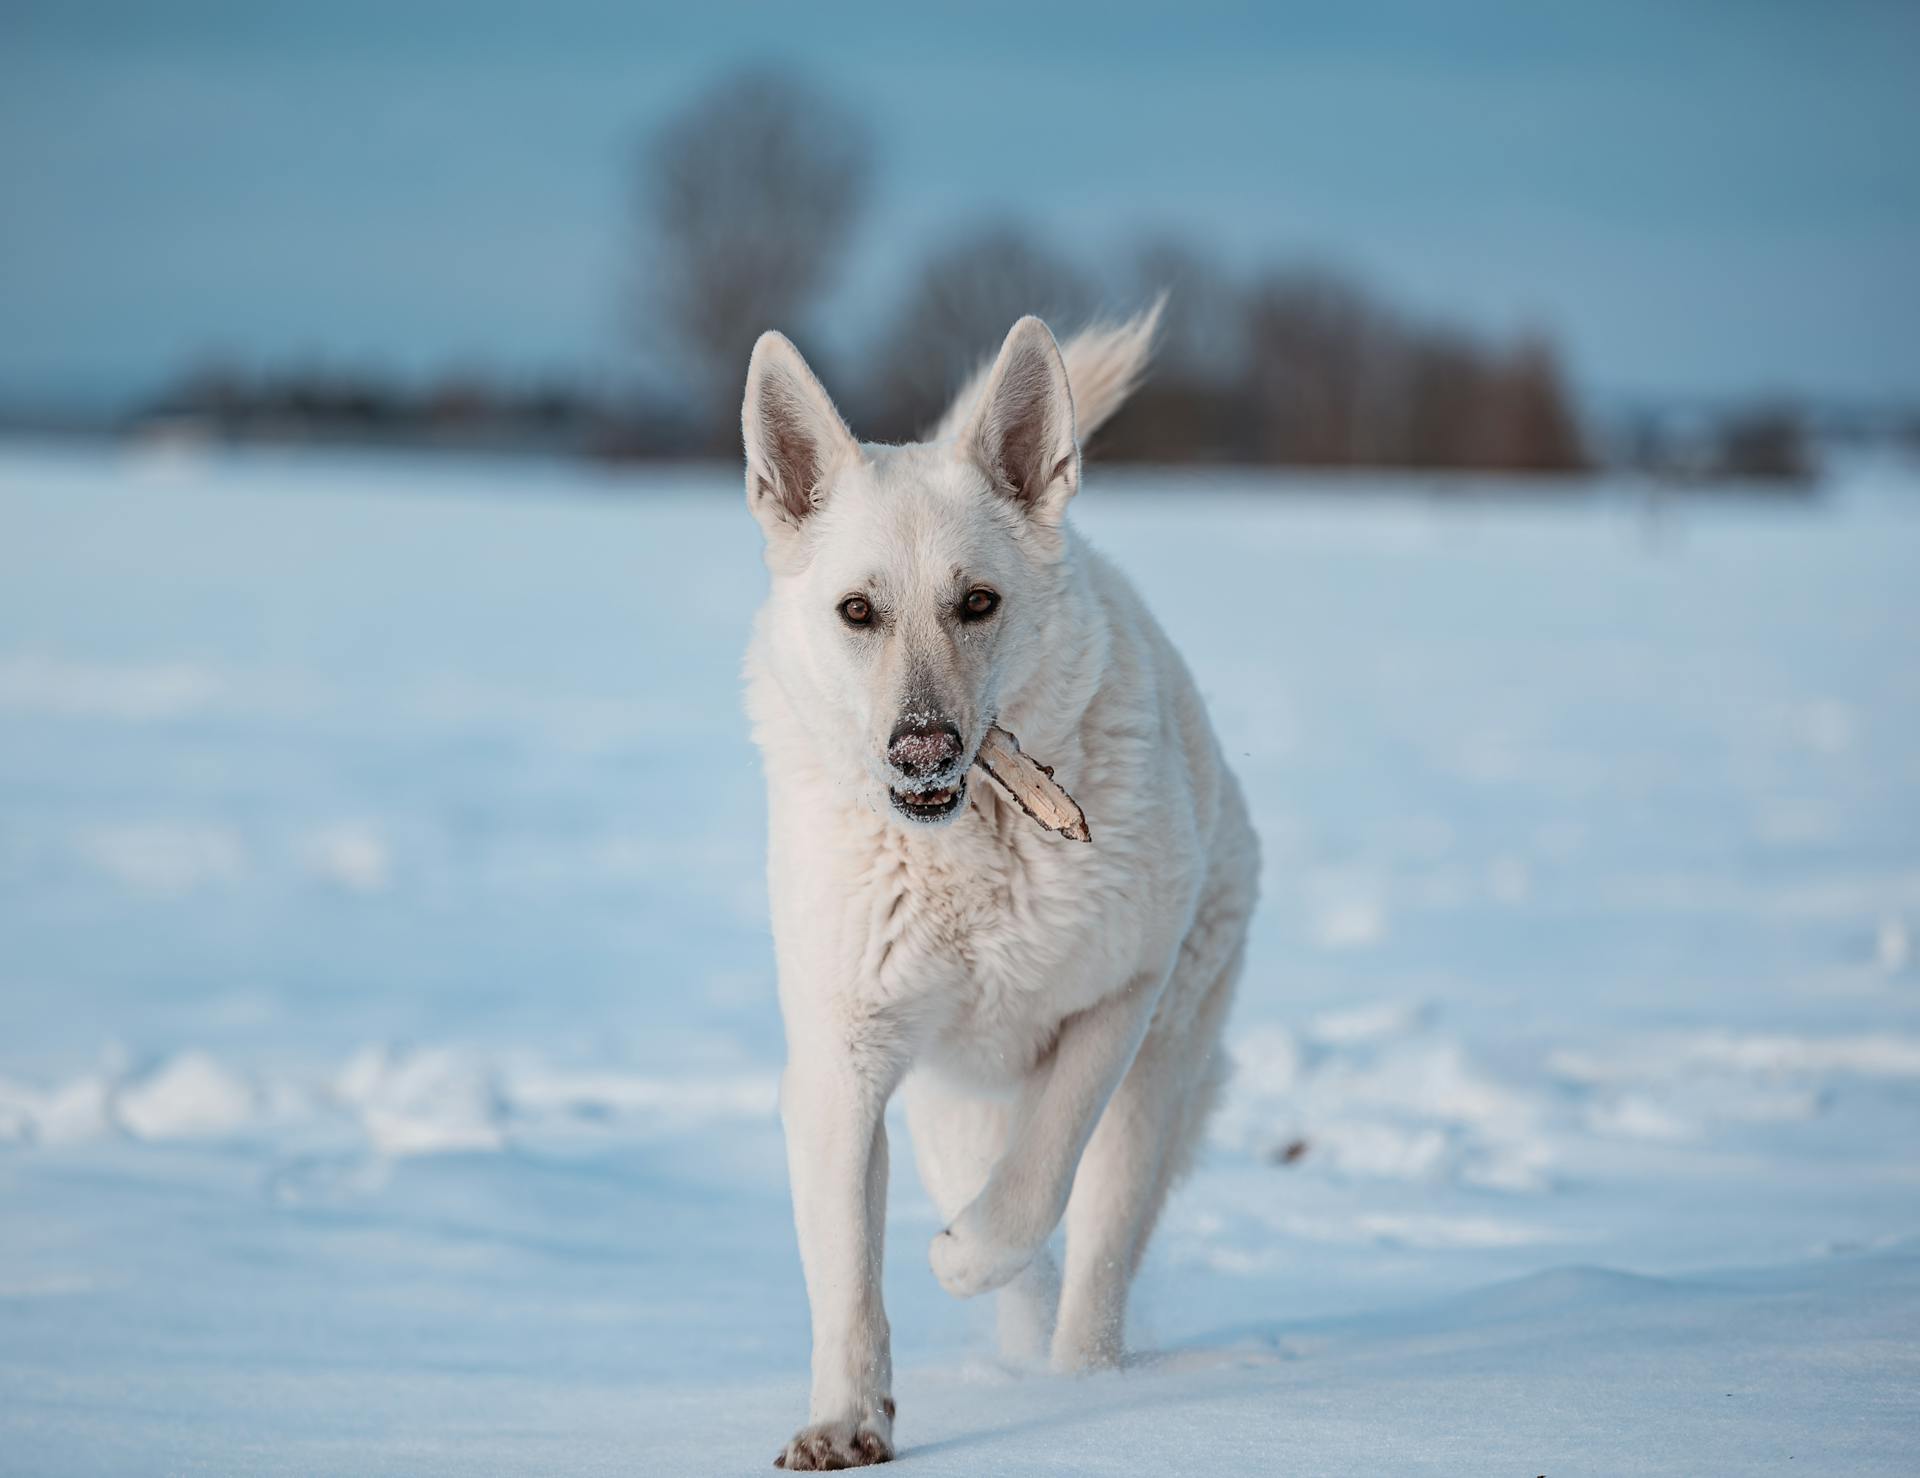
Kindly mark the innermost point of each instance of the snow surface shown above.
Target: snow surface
(388, 1045)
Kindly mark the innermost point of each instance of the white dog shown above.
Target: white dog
(1050, 1010)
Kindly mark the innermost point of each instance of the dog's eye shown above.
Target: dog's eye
(855, 610)
(979, 605)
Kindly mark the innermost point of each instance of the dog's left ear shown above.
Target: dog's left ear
(795, 439)
(1022, 433)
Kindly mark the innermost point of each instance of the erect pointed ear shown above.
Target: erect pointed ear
(1022, 433)
(795, 439)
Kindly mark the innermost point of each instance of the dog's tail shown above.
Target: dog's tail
(1105, 363)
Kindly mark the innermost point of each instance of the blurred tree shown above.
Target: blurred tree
(749, 197)
(1764, 443)
(1537, 430)
(1194, 404)
(955, 315)
(1203, 330)
(1446, 388)
(1321, 370)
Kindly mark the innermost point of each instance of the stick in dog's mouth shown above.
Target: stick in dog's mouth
(1032, 785)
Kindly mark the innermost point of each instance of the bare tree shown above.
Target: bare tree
(1203, 333)
(749, 196)
(1324, 361)
(1537, 429)
(1447, 384)
(1766, 442)
(956, 313)
(1194, 405)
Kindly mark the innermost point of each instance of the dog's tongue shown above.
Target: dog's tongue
(1032, 785)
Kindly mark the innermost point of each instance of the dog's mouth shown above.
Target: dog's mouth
(929, 805)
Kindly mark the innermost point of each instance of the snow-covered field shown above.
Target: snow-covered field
(388, 1043)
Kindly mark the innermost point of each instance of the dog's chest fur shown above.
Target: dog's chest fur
(997, 930)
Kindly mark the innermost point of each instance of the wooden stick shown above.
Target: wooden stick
(1032, 784)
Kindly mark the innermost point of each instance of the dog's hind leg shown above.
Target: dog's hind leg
(1144, 1142)
(957, 1139)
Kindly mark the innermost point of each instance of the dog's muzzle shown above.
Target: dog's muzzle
(928, 759)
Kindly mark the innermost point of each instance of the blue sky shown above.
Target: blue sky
(1696, 198)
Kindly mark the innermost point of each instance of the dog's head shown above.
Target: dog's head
(911, 584)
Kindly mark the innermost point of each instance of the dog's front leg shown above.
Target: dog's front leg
(1002, 1229)
(833, 1098)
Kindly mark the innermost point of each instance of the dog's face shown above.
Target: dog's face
(911, 584)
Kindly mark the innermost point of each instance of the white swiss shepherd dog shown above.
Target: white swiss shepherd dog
(1050, 1011)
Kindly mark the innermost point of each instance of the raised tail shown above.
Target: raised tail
(1105, 362)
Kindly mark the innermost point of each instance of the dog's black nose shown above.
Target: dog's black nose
(920, 750)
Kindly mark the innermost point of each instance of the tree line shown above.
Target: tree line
(750, 203)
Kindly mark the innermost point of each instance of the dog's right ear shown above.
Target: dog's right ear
(794, 437)
(1021, 433)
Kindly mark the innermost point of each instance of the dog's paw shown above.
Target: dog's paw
(969, 1259)
(1083, 1351)
(828, 1446)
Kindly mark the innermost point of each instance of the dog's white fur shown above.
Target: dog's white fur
(1051, 1011)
